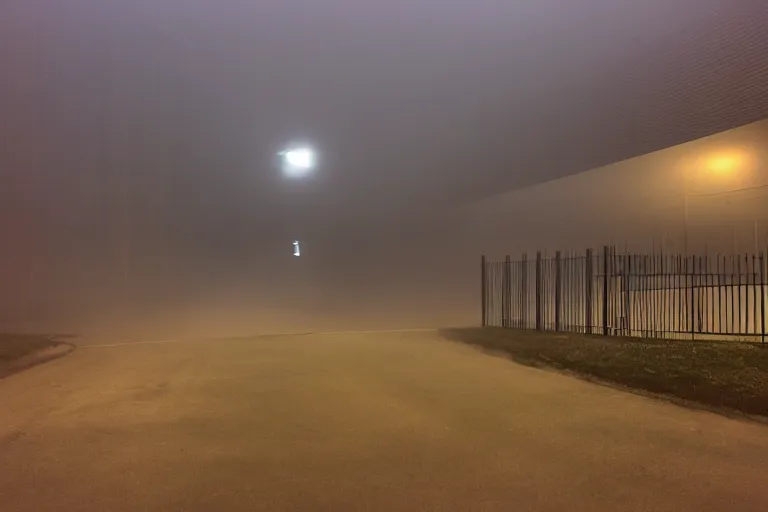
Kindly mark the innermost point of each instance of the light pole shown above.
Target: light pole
(298, 162)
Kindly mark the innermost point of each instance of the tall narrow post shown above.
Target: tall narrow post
(606, 256)
(483, 291)
(558, 289)
(506, 298)
(538, 291)
(693, 297)
(685, 225)
(524, 292)
(627, 268)
(762, 297)
(588, 277)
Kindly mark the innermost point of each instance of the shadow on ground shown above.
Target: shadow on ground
(21, 351)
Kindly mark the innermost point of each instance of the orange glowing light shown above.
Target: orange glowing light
(726, 163)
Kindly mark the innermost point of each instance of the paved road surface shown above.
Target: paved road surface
(378, 421)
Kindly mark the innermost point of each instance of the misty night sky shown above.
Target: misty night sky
(143, 135)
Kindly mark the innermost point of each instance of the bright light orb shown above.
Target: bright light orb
(725, 163)
(298, 162)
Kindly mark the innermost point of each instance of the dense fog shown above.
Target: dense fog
(141, 190)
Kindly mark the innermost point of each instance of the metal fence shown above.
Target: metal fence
(645, 295)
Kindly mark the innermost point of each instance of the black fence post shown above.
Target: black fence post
(538, 291)
(524, 292)
(762, 297)
(626, 327)
(484, 291)
(606, 256)
(558, 289)
(693, 297)
(506, 298)
(588, 277)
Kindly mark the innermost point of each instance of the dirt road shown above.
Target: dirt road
(371, 421)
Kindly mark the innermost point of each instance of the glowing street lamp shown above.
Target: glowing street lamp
(730, 165)
(298, 162)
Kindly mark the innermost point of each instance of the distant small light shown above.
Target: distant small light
(296, 248)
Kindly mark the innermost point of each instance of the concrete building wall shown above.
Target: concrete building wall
(640, 204)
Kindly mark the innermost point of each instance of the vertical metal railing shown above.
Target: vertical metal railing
(648, 295)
